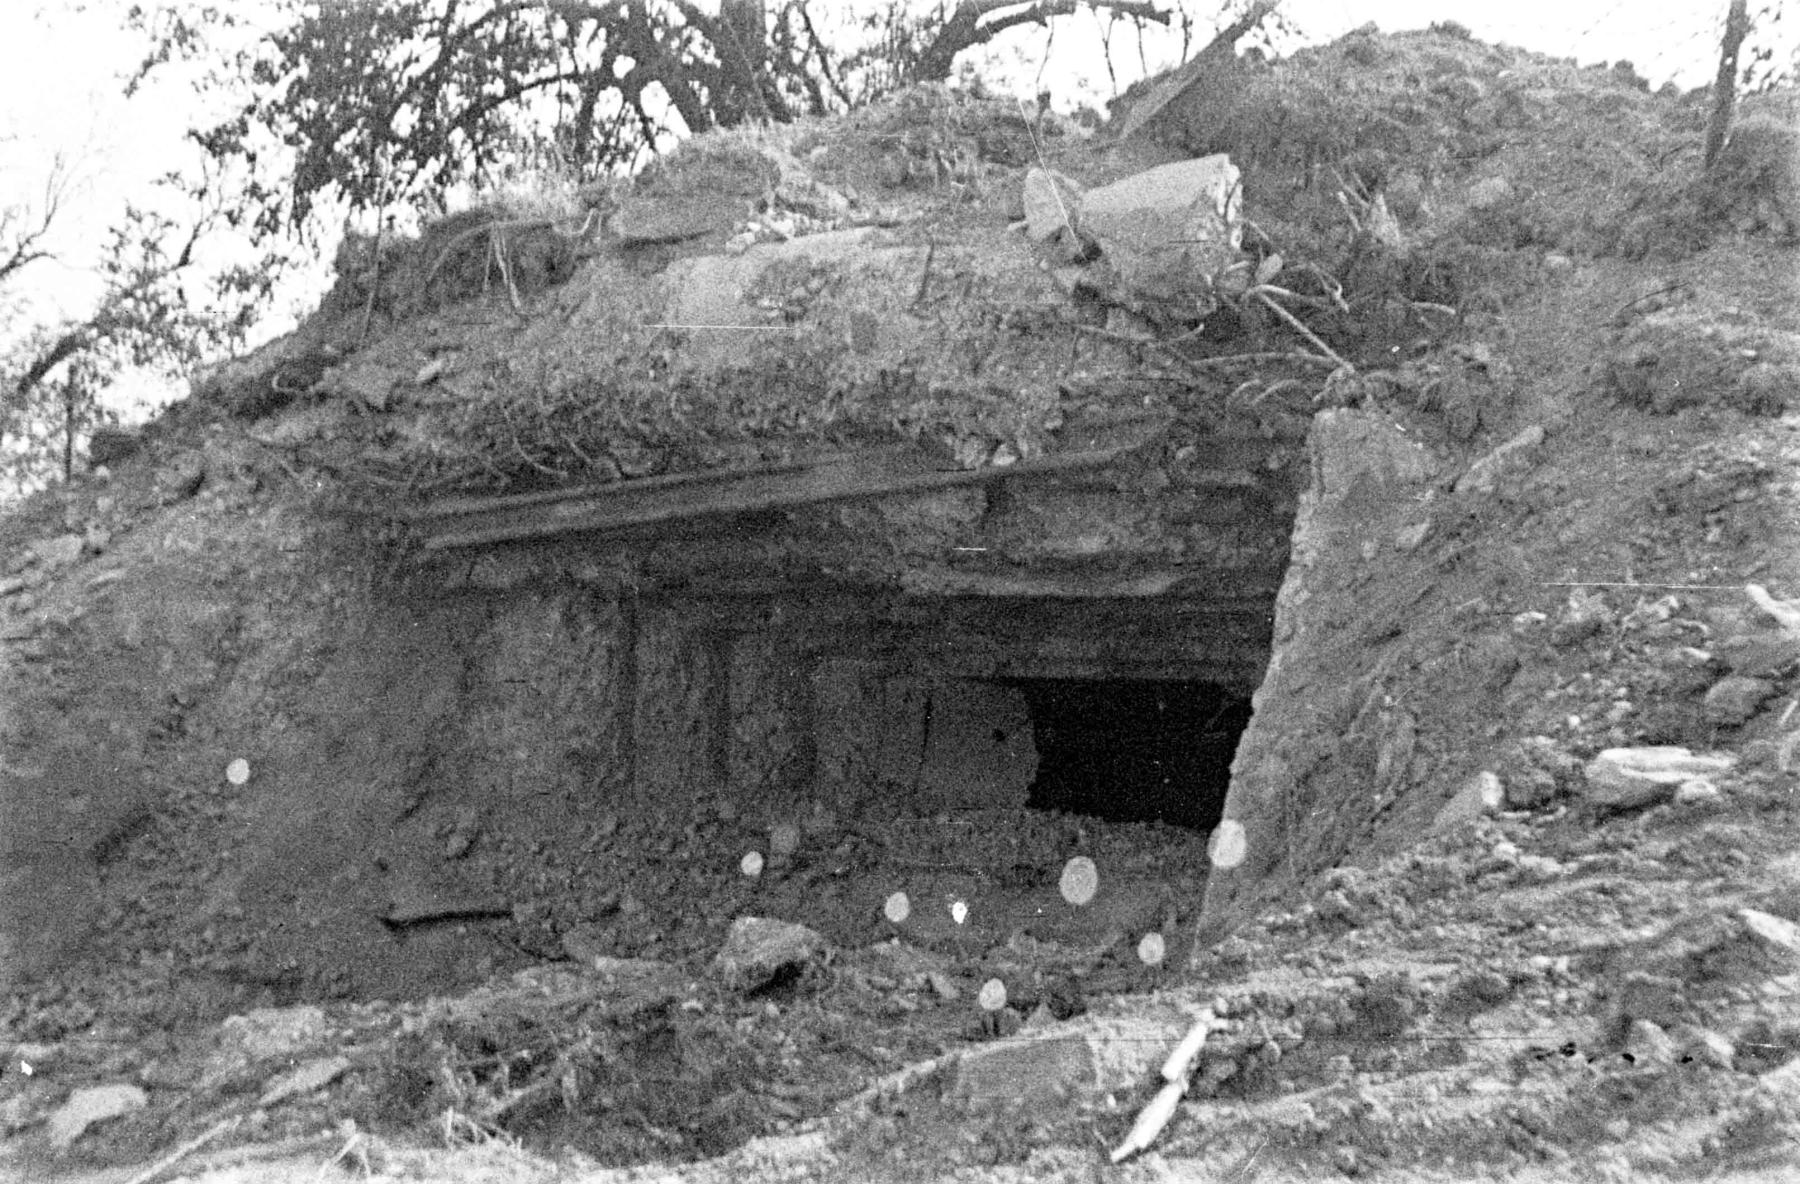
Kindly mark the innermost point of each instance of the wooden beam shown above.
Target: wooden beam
(473, 522)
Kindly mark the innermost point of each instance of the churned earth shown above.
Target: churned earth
(1486, 949)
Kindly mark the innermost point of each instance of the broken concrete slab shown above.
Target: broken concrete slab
(1168, 229)
(56, 552)
(1632, 778)
(90, 1107)
(759, 950)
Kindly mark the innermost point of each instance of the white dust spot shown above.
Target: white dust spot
(238, 771)
(1151, 950)
(751, 864)
(1080, 880)
(1228, 844)
(959, 912)
(992, 996)
(897, 909)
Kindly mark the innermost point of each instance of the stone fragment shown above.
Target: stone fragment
(1039, 1068)
(1704, 1046)
(182, 477)
(1697, 792)
(269, 1032)
(88, 1107)
(1777, 933)
(1734, 699)
(1632, 778)
(758, 950)
(586, 943)
(1166, 229)
(1408, 538)
(1490, 192)
(1763, 655)
(1785, 612)
(58, 551)
(314, 1074)
(1527, 784)
(1052, 204)
(1646, 1044)
(1517, 454)
(1480, 795)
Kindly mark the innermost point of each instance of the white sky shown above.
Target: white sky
(60, 61)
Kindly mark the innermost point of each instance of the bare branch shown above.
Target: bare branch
(25, 248)
(965, 29)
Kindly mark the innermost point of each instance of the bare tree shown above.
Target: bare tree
(390, 103)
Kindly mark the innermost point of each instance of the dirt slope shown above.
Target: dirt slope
(419, 935)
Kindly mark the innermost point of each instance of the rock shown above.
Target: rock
(1777, 933)
(1704, 1046)
(182, 477)
(1166, 229)
(57, 552)
(1632, 778)
(1408, 538)
(758, 950)
(1489, 192)
(270, 1032)
(87, 1107)
(1584, 615)
(371, 386)
(1646, 1044)
(1733, 700)
(1529, 772)
(1485, 475)
(1697, 792)
(1038, 1069)
(1480, 795)
(314, 1074)
(1052, 203)
(1763, 655)
(587, 943)
(109, 445)
(1529, 788)
(1785, 612)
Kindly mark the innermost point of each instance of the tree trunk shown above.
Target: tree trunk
(1737, 27)
(743, 48)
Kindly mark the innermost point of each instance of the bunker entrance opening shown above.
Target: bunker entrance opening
(1134, 750)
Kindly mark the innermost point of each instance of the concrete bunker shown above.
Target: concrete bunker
(1118, 710)
(946, 693)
